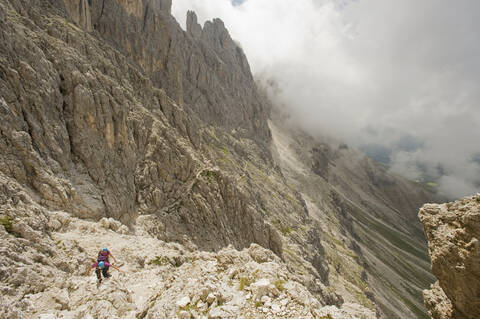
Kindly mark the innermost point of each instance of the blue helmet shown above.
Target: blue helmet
(105, 249)
(101, 265)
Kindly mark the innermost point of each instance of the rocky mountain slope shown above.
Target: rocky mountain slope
(452, 231)
(90, 134)
(157, 279)
(110, 110)
(366, 218)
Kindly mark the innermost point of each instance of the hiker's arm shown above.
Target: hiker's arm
(115, 267)
(114, 259)
(88, 271)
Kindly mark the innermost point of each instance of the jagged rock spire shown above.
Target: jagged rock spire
(193, 27)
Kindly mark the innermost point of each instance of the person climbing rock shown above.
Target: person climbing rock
(104, 254)
(101, 268)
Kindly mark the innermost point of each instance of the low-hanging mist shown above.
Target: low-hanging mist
(396, 79)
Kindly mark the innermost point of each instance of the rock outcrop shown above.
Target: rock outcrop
(453, 231)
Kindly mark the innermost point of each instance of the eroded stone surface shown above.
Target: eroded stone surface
(453, 231)
(157, 279)
(90, 133)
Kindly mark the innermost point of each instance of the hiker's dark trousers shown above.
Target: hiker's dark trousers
(101, 272)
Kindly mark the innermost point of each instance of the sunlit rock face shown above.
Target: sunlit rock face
(453, 231)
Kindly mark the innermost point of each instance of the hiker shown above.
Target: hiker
(104, 254)
(101, 268)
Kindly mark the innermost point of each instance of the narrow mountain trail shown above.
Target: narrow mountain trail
(167, 280)
(126, 292)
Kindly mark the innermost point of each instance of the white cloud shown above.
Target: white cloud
(371, 72)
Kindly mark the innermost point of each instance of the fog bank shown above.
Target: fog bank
(397, 79)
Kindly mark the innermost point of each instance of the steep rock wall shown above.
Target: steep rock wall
(453, 231)
(202, 68)
(83, 130)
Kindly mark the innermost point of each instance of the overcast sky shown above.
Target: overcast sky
(403, 75)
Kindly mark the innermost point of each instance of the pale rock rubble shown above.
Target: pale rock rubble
(157, 279)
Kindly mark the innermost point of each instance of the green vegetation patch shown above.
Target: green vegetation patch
(7, 223)
(279, 284)
(159, 261)
(210, 175)
(393, 236)
(244, 282)
(428, 185)
(420, 313)
(284, 229)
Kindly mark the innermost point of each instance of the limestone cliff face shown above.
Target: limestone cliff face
(86, 131)
(79, 11)
(202, 68)
(453, 232)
